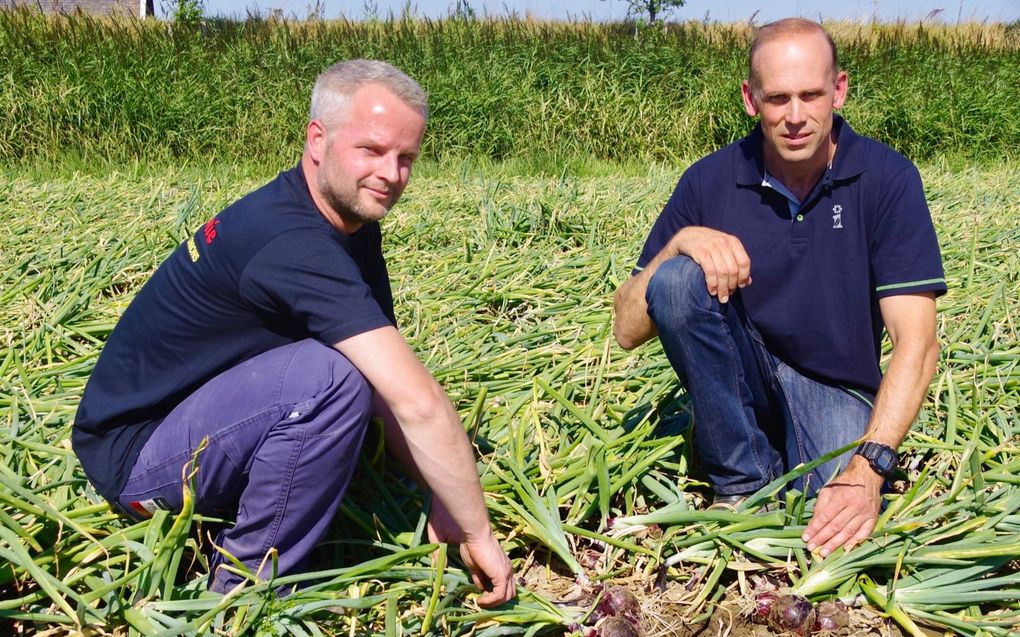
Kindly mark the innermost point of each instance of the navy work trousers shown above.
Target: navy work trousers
(755, 416)
(284, 430)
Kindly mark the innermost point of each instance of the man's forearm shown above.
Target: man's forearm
(902, 391)
(631, 324)
(899, 398)
(722, 258)
(430, 440)
(436, 452)
(848, 507)
(906, 381)
(396, 444)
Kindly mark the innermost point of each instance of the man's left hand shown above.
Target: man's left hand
(847, 509)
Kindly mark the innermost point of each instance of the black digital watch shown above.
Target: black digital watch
(882, 458)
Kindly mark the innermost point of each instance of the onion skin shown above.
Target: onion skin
(763, 603)
(619, 601)
(832, 618)
(792, 614)
(583, 631)
(617, 627)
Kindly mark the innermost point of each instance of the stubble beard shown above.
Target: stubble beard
(347, 205)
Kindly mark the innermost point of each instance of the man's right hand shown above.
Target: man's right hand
(727, 266)
(722, 257)
(489, 566)
(490, 570)
(425, 433)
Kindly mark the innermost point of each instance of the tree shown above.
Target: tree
(185, 12)
(653, 8)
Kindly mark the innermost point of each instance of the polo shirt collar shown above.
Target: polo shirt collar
(849, 162)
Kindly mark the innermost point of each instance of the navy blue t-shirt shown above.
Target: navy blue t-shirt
(267, 271)
(863, 233)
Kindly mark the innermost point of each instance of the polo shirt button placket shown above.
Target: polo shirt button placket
(800, 234)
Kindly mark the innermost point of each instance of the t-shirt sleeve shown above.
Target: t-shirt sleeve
(367, 253)
(378, 280)
(680, 211)
(905, 254)
(313, 284)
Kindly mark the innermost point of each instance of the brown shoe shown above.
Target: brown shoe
(727, 502)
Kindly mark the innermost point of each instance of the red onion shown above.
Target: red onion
(617, 627)
(792, 613)
(618, 600)
(832, 617)
(763, 603)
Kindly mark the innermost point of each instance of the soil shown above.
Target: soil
(667, 611)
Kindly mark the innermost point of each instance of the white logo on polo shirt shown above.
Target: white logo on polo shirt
(837, 217)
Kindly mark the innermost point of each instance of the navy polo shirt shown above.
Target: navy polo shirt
(863, 233)
(267, 271)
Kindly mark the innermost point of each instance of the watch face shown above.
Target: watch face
(885, 461)
(882, 459)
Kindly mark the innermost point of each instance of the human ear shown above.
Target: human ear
(316, 139)
(842, 86)
(750, 105)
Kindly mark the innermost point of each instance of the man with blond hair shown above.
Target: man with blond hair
(769, 278)
(270, 334)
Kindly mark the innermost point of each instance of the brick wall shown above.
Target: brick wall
(96, 7)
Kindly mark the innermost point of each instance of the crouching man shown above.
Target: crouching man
(769, 278)
(270, 332)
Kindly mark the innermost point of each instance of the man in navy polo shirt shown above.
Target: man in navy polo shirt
(268, 338)
(769, 278)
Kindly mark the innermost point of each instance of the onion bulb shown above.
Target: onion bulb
(619, 601)
(793, 614)
(763, 603)
(617, 627)
(832, 618)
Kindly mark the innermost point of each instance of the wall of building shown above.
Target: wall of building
(95, 7)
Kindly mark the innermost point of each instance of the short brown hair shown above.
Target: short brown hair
(780, 29)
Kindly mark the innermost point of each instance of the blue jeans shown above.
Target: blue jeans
(285, 429)
(755, 417)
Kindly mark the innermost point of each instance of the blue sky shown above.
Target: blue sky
(713, 10)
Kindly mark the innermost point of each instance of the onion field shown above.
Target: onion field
(503, 285)
(551, 148)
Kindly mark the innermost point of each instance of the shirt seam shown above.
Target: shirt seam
(908, 284)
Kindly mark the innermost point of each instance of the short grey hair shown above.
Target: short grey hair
(334, 88)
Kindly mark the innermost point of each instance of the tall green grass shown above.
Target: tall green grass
(96, 91)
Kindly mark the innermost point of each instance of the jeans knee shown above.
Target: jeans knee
(676, 288)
